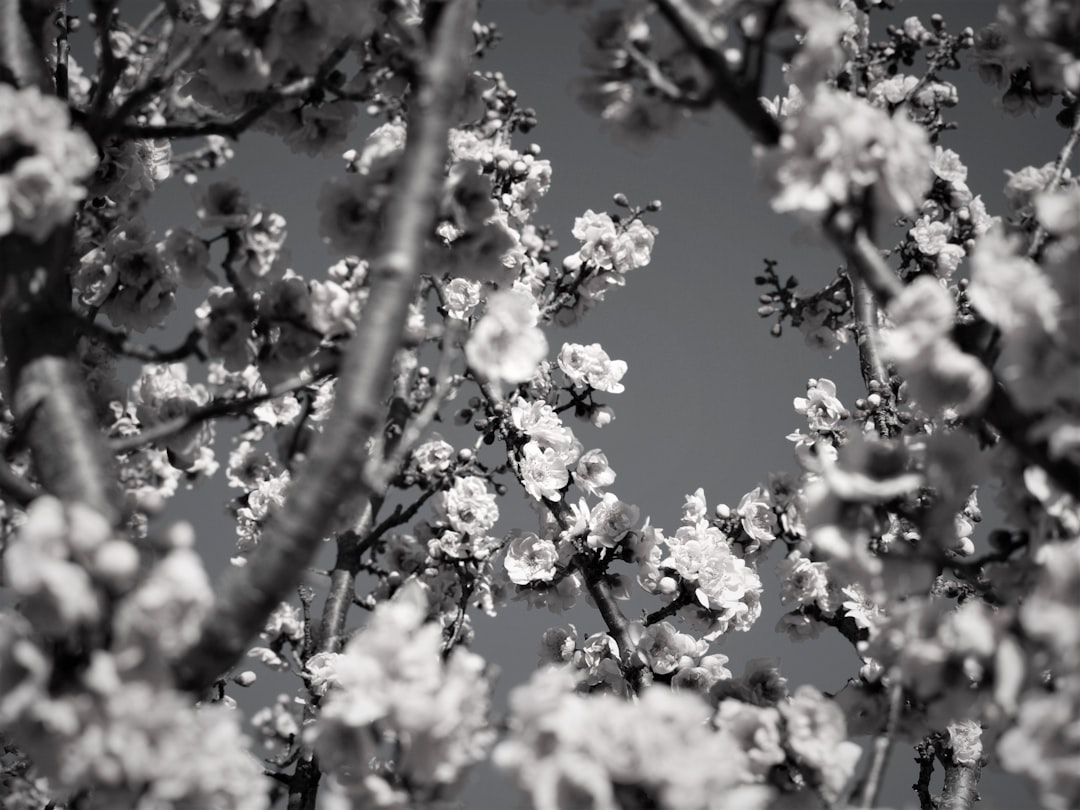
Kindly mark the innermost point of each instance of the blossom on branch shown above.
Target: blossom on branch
(836, 149)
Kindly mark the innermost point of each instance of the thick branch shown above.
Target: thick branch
(334, 473)
(21, 28)
(961, 783)
(871, 363)
(740, 98)
(15, 489)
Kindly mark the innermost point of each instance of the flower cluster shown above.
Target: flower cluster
(63, 562)
(1044, 34)
(391, 683)
(671, 749)
(661, 747)
(136, 743)
(939, 373)
(700, 561)
(837, 149)
(44, 163)
(1031, 305)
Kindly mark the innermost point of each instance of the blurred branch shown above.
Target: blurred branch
(120, 343)
(230, 127)
(334, 474)
(15, 489)
(740, 98)
(1000, 412)
(111, 65)
(22, 25)
(49, 400)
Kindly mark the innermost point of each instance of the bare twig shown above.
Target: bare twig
(239, 406)
(50, 403)
(334, 473)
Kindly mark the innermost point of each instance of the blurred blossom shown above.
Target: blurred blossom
(838, 147)
(939, 373)
(507, 343)
(45, 163)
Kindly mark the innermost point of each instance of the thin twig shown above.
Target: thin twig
(237, 125)
(237, 406)
(121, 343)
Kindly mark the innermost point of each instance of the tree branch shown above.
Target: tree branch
(121, 343)
(1000, 412)
(21, 29)
(961, 783)
(610, 612)
(334, 474)
(238, 406)
(352, 545)
(737, 96)
(1060, 167)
